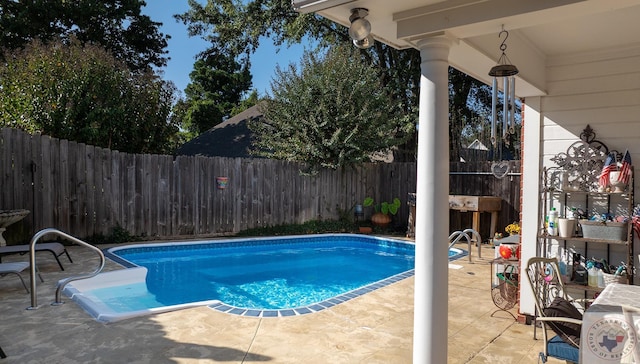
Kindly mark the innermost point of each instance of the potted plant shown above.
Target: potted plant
(383, 210)
(513, 228)
(364, 227)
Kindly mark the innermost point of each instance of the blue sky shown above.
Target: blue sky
(183, 49)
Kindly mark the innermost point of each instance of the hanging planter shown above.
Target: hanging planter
(221, 182)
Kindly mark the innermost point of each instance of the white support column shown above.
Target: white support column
(531, 167)
(432, 205)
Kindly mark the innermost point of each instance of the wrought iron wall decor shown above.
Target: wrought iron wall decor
(578, 168)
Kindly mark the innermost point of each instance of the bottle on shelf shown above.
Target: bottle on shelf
(553, 217)
(593, 277)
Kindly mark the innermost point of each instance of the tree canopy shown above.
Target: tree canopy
(82, 93)
(117, 25)
(237, 27)
(331, 113)
(218, 83)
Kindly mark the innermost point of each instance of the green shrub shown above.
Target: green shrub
(117, 235)
(316, 227)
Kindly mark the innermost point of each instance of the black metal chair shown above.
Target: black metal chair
(554, 310)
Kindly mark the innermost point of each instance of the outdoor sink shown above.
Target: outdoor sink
(8, 217)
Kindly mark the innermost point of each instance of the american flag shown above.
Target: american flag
(625, 170)
(609, 165)
(636, 225)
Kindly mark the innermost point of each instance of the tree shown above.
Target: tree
(82, 93)
(117, 25)
(246, 103)
(331, 113)
(237, 27)
(462, 89)
(218, 82)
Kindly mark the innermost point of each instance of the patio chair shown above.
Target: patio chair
(16, 268)
(554, 310)
(56, 249)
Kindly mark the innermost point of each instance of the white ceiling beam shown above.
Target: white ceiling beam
(310, 6)
(430, 19)
(531, 80)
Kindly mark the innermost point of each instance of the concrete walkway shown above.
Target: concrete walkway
(374, 328)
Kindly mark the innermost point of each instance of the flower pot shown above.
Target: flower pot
(221, 182)
(509, 251)
(365, 229)
(566, 227)
(616, 186)
(380, 219)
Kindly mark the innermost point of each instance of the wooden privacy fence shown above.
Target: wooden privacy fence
(85, 190)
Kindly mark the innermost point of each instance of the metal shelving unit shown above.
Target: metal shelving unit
(574, 180)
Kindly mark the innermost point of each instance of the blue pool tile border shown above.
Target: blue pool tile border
(316, 307)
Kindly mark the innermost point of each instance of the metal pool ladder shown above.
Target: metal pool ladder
(63, 282)
(471, 236)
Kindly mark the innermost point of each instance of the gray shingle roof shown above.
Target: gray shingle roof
(231, 138)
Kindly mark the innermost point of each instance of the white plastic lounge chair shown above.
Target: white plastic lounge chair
(16, 268)
(56, 249)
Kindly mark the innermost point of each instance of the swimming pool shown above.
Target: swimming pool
(261, 277)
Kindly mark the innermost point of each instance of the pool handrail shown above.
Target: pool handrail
(457, 235)
(62, 282)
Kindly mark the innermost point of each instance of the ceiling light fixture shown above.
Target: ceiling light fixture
(360, 29)
(365, 43)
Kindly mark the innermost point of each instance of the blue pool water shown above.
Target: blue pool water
(255, 277)
(273, 274)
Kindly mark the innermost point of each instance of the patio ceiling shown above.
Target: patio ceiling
(541, 32)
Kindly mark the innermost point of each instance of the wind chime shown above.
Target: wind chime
(503, 72)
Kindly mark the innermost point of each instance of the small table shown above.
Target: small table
(610, 326)
(475, 204)
(478, 204)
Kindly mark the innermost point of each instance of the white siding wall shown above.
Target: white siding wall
(601, 90)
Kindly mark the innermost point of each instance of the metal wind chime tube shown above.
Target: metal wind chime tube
(512, 105)
(505, 107)
(494, 111)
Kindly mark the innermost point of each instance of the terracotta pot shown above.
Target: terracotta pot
(365, 229)
(380, 219)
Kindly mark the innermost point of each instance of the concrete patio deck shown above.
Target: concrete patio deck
(374, 328)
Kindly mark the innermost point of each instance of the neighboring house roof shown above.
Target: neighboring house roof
(231, 138)
(476, 144)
